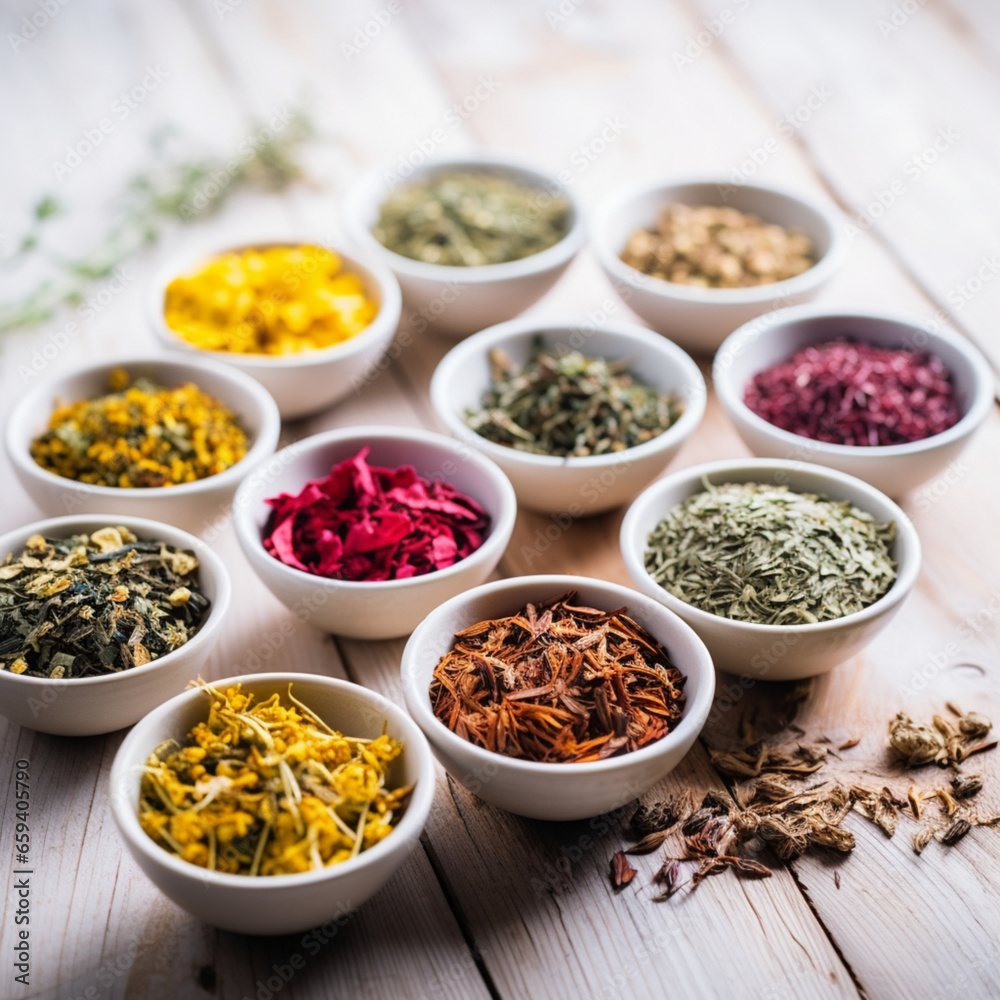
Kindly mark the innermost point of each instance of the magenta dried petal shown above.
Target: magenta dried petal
(856, 394)
(366, 523)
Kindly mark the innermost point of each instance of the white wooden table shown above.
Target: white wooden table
(846, 99)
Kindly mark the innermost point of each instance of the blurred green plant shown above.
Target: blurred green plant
(180, 192)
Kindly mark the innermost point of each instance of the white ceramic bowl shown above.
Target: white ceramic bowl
(555, 791)
(311, 380)
(894, 469)
(87, 706)
(278, 904)
(774, 652)
(573, 486)
(383, 609)
(699, 319)
(455, 301)
(190, 505)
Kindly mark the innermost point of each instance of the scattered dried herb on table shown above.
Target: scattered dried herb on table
(268, 788)
(368, 523)
(713, 247)
(268, 300)
(468, 218)
(844, 392)
(773, 810)
(87, 606)
(557, 683)
(141, 434)
(762, 553)
(565, 403)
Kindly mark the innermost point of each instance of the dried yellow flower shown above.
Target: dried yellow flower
(141, 435)
(268, 788)
(269, 300)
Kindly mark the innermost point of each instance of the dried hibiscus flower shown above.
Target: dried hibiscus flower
(366, 523)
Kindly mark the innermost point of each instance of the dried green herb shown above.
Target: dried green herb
(468, 218)
(565, 403)
(95, 604)
(762, 553)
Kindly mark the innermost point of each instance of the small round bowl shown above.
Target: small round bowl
(381, 609)
(190, 505)
(455, 301)
(699, 319)
(555, 791)
(278, 904)
(774, 652)
(88, 706)
(894, 469)
(575, 486)
(310, 380)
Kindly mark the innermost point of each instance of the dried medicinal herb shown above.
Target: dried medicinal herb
(657, 816)
(268, 300)
(141, 435)
(762, 553)
(668, 877)
(567, 404)
(92, 605)
(557, 683)
(850, 393)
(944, 742)
(712, 247)
(268, 788)
(370, 523)
(468, 218)
(622, 871)
(965, 786)
(955, 832)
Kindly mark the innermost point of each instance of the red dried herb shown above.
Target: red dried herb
(844, 392)
(622, 871)
(366, 523)
(557, 683)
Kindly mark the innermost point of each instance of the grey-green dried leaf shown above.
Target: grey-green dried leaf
(765, 554)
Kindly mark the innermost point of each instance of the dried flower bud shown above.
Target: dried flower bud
(654, 817)
(965, 786)
(974, 725)
(955, 832)
(915, 743)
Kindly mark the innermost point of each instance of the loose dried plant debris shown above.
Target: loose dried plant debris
(781, 806)
(622, 871)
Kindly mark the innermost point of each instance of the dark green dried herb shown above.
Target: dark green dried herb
(468, 218)
(87, 606)
(565, 403)
(762, 553)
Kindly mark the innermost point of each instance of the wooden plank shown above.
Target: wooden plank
(141, 944)
(849, 696)
(909, 152)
